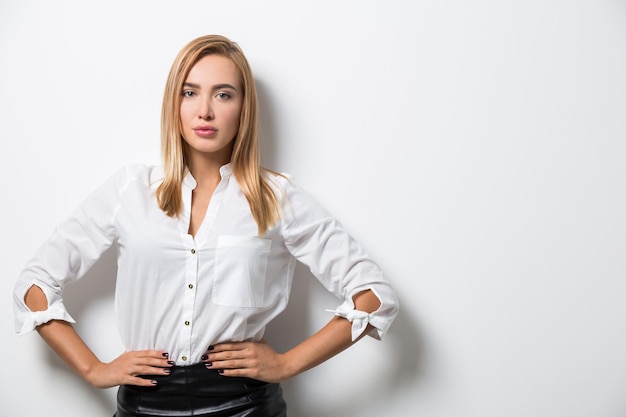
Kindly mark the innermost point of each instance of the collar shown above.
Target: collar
(190, 182)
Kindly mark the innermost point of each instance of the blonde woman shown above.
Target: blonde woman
(207, 244)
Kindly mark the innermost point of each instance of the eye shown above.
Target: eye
(188, 93)
(222, 95)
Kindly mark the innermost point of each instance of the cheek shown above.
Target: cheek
(233, 118)
(184, 113)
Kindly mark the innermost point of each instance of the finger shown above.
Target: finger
(157, 354)
(140, 358)
(227, 364)
(235, 372)
(228, 355)
(141, 382)
(241, 372)
(234, 364)
(224, 347)
(147, 370)
(228, 352)
(160, 363)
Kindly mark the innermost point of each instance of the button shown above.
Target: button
(186, 322)
(183, 358)
(190, 286)
(193, 251)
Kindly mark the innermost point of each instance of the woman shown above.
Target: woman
(207, 246)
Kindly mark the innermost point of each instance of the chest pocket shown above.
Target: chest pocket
(240, 269)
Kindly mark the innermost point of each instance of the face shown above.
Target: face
(210, 107)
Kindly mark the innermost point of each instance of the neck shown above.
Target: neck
(205, 168)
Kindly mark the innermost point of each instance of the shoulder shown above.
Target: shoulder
(277, 178)
(135, 173)
(141, 172)
(137, 170)
(295, 200)
(282, 183)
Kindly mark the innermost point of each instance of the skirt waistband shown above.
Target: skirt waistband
(197, 391)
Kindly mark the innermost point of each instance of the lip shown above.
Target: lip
(205, 131)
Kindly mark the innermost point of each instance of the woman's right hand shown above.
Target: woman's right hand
(126, 368)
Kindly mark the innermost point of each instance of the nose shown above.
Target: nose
(205, 110)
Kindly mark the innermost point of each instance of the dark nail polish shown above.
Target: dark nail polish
(153, 382)
(220, 371)
(171, 363)
(204, 357)
(167, 371)
(166, 355)
(211, 347)
(208, 364)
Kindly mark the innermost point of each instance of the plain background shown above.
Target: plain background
(477, 149)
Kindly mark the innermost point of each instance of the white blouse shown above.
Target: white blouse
(181, 294)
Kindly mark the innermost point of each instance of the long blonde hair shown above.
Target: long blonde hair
(245, 158)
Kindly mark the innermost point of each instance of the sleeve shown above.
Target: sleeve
(68, 253)
(337, 260)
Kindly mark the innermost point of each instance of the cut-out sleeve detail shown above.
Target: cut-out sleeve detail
(32, 319)
(378, 319)
(359, 319)
(69, 252)
(319, 241)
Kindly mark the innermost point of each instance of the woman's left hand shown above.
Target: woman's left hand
(256, 360)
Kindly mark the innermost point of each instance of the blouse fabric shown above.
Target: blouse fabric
(182, 294)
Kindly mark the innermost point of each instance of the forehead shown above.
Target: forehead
(214, 69)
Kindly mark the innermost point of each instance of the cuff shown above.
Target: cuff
(32, 319)
(359, 319)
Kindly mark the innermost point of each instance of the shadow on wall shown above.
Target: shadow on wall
(268, 134)
(290, 327)
(97, 286)
(402, 343)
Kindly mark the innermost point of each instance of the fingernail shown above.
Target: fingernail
(204, 357)
(171, 363)
(167, 371)
(210, 347)
(220, 371)
(166, 355)
(208, 364)
(153, 382)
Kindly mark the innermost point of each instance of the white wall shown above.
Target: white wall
(475, 147)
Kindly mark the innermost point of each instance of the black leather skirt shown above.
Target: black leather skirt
(200, 392)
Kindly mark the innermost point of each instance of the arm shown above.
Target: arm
(260, 361)
(65, 342)
(319, 241)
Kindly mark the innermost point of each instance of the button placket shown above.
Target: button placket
(189, 296)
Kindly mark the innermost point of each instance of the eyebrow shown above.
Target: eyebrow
(215, 87)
